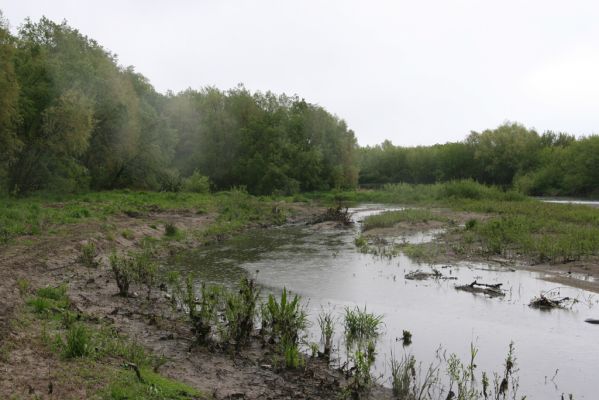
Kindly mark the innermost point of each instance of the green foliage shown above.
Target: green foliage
(362, 330)
(49, 299)
(170, 229)
(326, 323)
(403, 373)
(284, 320)
(125, 386)
(197, 183)
(88, 255)
(203, 316)
(361, 326)
(293, 358)
(124, 269)
(240, 313)
(78, 342)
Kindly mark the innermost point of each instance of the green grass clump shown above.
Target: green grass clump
(361, 326)
(88, 255)
(49, 299)
(391, 218)
(170, 229)
(78, 342)
(126, 386)
(285, 320)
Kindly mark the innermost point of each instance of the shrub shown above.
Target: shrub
(196, 183)
(145, 270)
(123, 268)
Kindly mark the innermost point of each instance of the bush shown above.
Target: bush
(123, 268)
(196, 183)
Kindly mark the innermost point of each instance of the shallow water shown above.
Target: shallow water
(325, 268)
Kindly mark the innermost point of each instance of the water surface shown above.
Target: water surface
(557, 352)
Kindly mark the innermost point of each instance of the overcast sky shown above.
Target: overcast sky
(414, 72)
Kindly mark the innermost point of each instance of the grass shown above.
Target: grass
(360, 325)
(45, 213)
(93, 354)
(126, 386)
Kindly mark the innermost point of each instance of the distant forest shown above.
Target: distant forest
(72, 119)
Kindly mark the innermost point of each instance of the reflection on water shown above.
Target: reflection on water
(324, 267)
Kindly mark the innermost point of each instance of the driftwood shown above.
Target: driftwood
(546, 302)
(419, 275)
(493, 290)
(591, 321)
(337, 214)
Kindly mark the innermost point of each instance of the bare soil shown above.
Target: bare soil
(28, 370)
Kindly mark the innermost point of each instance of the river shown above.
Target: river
(557, 352)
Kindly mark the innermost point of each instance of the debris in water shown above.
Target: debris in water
(592, 321)
(551, 299)
(492, 290)
(420, 275)
(337, 214)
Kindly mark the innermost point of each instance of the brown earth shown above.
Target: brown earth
(29, 370)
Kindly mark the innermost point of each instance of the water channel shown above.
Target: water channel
(557, 352)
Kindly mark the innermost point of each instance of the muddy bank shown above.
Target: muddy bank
(448, 245)
(29, 369)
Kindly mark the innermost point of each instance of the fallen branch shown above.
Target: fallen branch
(493, 290)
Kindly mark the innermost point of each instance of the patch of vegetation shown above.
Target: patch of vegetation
(123, 268)
(361, 333)
(196, 183)
(284, 320)
(170, 229)
(240, 313)
(125, 385)
(326, 323)
(128, 234)
(78, 342)
(88, 255)
(49, 299)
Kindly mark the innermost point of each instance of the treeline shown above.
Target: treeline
(511, 156)
(72, 119)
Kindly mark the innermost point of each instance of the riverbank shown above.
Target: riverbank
(45, 242)
(559, 241)
(37, 322)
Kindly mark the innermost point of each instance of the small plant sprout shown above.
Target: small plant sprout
(170, 229)
(326, 323)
